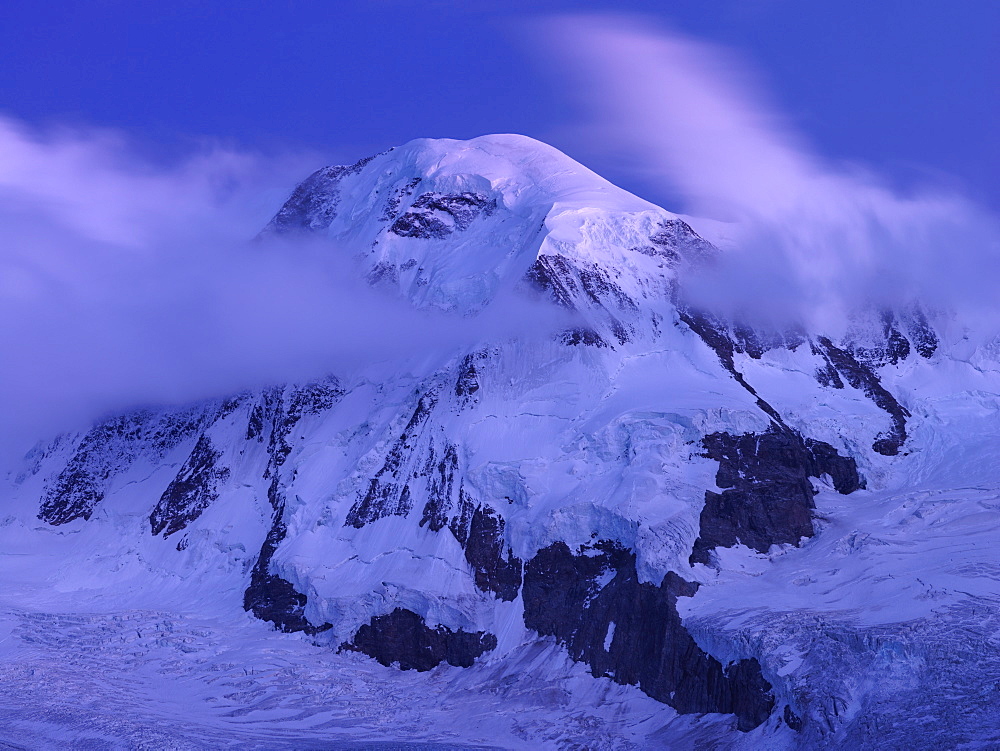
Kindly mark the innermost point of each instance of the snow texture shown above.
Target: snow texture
(802, 526)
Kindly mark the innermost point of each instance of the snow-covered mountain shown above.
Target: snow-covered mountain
(647, 528)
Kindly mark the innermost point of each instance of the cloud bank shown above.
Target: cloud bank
(811, 240)
(124, 283)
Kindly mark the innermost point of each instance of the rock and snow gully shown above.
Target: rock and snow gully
(651, 528)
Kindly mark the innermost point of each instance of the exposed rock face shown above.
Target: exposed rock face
(715, 334)
(791, 719)
(767, 498)
(583, 286)
(109, 449)
(269, 596)
(888, 337)
(631, 632)
(922, 334)
(401, 637)
(478, 528)
(468, 381)
(310, 399)
(399, 195)
(495, 568)
(388, 492)
(862, 378)
(420, 458)
(582, 336)
(892, 347)
(553, 274)
(313, 204)
(191, 492)
(676, 240)
(853, 362)
(436, 215)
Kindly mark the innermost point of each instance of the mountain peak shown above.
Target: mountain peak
(520, 170)
(450, 222)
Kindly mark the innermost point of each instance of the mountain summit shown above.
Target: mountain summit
(653, 526)
(449, 222)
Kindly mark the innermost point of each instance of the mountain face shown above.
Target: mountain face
(758, 539)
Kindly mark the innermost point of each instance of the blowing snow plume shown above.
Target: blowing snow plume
(811, 240)
(124, 284)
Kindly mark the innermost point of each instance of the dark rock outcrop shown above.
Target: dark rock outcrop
(861, 377)
(398, 196)
(583, 286)
(840, 364)
(313, 399)
(191, 491)
(388, 491)
(827, 374)
(895, 334)
(716, 335)
(434, 464)
(571, 284)
(495, 568)
(77, 490)
(921, 333)
(767, 498)
(270, 597)
(436, 215)
(631, 632)
(581, 335)
(279, 412)
(468, 377)
(442, 486)
(255, 423)
(313, 204)
(402, 637)
(383, 274)
(885, 346)
(479, 529)
(109, 449)
(553, 275)
(791, 719)
(676, 240)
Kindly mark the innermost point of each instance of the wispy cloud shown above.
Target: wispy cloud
(127, 283)
(811, 238)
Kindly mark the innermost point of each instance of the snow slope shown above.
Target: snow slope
(646, 527)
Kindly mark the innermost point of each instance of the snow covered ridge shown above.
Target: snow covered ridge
(684, 505)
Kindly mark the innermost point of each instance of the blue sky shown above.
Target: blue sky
(908, 88)
(141, 144)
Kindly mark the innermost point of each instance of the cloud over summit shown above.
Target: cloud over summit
(810, 238)
(124, 283)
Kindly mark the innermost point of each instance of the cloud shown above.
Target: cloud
(811, 239)
(125, 283)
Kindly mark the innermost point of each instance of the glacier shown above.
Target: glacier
(643, 526)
